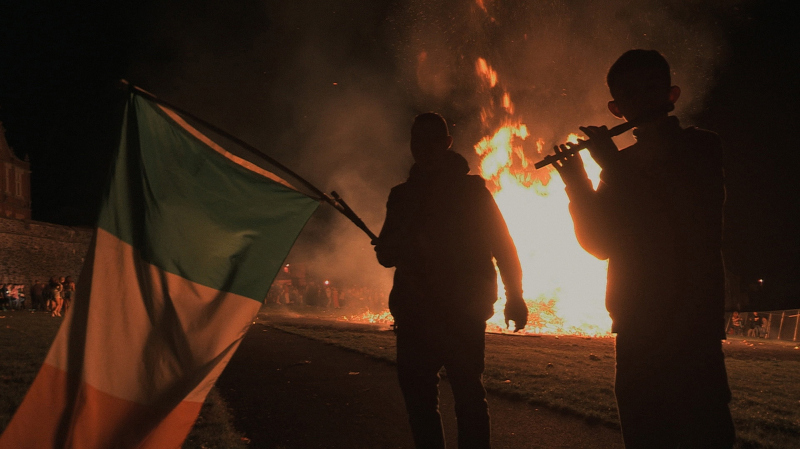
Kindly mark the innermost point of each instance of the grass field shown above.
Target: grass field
(24, 340)
(570, 374)
(575, 375)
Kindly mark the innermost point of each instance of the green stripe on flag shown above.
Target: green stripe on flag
(193, 212)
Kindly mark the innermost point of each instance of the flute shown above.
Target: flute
(615, 131)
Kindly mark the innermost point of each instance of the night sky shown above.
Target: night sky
(329, 89)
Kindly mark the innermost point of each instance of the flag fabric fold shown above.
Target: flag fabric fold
(188, 242)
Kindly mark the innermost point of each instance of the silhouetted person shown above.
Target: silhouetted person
(753, 323)
(657, 217)
(737, 322)
(442, 231)
(37, 299)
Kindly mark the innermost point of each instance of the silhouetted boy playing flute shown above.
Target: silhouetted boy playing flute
(657, 217)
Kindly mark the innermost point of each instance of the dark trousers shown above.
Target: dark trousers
(673, 394)
(421, 352)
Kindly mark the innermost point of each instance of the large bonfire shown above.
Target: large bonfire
(564, 286)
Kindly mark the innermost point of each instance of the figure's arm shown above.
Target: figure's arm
(505, 254)
(589, 217)
(393, 235)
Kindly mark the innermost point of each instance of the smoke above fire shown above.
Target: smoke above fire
(330, 88)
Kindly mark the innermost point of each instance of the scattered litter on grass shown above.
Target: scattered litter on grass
(507, 381)
(593, 357)
(353, 373)
(549, 365)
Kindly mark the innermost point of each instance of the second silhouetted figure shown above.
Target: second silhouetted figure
(442, 232)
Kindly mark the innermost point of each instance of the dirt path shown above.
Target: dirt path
(290, 392)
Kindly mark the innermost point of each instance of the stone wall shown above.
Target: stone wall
(32, 250)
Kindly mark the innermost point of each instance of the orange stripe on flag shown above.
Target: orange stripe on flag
(133, 360)
(98, 420)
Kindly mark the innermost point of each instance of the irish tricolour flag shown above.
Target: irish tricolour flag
(188, 242)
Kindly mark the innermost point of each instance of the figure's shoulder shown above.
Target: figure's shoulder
(704, 141)
(476, 185)
(400, 192)
(702, 136)
(399, 188)
(475, 181)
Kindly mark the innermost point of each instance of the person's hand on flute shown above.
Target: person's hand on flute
(570, 166)
(600, 145)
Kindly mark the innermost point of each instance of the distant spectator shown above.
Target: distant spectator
(13, 296)
(326, 296)
(53, 296)
(21, 296)
(763, 328)
(4, 301)
(737, 322)
(68, 291)
(753, 323)
(37, 300)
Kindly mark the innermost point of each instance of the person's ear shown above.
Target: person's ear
(449, 142)
(613, 107)
(674, 94)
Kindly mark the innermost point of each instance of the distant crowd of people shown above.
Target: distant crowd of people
(53, 296)
(324, 295)
(754, 325)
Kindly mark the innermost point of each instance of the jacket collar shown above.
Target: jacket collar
(450, 165)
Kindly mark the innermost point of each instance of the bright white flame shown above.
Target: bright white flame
(553, 263)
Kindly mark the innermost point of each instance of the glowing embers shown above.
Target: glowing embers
(384, 317)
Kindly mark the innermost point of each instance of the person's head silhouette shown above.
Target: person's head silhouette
(640, 83)
(430, 138)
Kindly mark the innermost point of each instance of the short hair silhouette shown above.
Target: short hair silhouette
(642, 64)
(429, 125)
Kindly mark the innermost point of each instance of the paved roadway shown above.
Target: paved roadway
(291, 392)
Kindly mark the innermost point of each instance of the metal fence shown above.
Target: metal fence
(781, 324)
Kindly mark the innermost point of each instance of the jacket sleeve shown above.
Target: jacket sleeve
(503, 249)
(590, 218)
(393, 236)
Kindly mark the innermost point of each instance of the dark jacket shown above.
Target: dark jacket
(657, 217)
(441, 232)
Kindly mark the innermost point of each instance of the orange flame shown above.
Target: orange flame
(564, 286)
(507, 104)
(486, 72)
